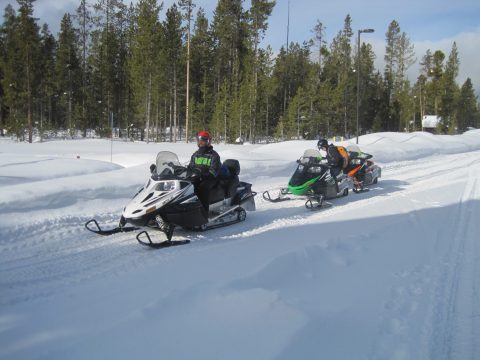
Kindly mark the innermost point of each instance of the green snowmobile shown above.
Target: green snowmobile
(312, 179)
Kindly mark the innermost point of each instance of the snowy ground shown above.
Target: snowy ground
(393, 273)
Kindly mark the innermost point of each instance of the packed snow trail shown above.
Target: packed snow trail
(391, 273)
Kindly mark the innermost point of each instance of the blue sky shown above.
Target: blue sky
(430, 24)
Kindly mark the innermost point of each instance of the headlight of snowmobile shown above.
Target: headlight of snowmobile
(315, 170)
(165, 186)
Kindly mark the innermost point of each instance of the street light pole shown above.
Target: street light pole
(358, 73)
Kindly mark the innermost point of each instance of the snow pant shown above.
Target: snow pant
(203, 189)
(334, 171)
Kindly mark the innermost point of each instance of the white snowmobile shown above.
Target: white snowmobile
(168, 200)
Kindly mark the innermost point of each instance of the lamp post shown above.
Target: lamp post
(358, 72)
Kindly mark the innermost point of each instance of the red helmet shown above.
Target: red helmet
(204, 136)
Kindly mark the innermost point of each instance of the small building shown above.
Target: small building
(430, 123)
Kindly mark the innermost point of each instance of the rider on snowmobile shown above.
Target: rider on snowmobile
(204, 165)
(335, 160)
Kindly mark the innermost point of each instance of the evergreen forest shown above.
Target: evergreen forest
(145, 72)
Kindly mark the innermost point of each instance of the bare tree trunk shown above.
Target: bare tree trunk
(108, 79)
(175, 102)
(165, 119)
(1, 119)
(84, 78)
(170, 117)
(149, 99)
(204, 116)
(266, 120)
(250, 131)
(156, 122)
(225, 119)
(188, 78)
(241, 114)
(29, 100)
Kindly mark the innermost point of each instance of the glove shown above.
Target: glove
(153, 168)
(195, 175)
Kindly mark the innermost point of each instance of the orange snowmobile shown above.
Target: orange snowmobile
(363, 171)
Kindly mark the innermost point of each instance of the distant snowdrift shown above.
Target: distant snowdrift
(387, 147)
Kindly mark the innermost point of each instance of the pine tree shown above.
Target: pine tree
(319, 37)
(109, 17)
(399, 56)
(368, 88)
(10, 72)
(229, 33)
(187, 6)
(468, 114)
(434, 87)
(47, 89)
(202, 81)
(265, 90)
(230, 38)
(2, 92)
(29, 44)
(340, 79)
(172, 30)
(450, 91)
(293, 125)
(84, 20)
(259, 12)
(68, 73)
(144, 57)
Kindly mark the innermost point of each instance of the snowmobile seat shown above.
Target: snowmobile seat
(228, 177)
(232, 165)
(230, 186)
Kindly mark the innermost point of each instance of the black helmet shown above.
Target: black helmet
(322, 143)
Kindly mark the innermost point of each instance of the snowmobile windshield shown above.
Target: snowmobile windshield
(357, 154)
(360, 156)
(168, 166)
(306, 175)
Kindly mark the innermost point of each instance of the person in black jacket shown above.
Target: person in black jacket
(204, 165)
(335, 160)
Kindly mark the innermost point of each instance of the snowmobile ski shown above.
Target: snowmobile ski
(317, 203)
(281, 196)
(108, 232)
(357, 189)
(159, 245)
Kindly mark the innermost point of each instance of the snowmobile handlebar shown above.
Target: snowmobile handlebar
(194, 174)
